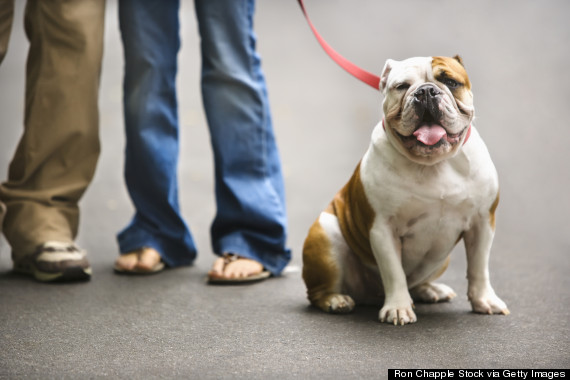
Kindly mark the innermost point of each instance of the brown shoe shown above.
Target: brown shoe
(56, 261)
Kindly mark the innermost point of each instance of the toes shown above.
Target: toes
(242, 268)
(235, 268)
(217, 269)
(340, 303)
(433, 292)
(489, 305)
(127, 261)
(429, 295)
(397, 315)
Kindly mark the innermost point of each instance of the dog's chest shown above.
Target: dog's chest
(426, 211)
(427, 231)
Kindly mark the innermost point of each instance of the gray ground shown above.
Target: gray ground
(174, 326)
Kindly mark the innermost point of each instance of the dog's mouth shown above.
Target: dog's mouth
(430, 135)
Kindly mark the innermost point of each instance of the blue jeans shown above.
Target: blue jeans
(250, 218)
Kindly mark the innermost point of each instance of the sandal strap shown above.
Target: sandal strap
(230, 257)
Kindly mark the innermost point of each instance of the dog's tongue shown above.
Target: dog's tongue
(430, 134)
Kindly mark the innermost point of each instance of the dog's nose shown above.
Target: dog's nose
(426, 100)
(426, 91)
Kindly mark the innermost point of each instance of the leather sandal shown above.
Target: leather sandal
(229, 258)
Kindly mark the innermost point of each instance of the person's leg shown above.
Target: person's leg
(251, 216)
(57, 154)
(6, 17)
(150, 33)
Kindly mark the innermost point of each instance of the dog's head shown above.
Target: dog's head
(428, 107)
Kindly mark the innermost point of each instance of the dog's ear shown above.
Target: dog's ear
(384, 77)
(459, 59)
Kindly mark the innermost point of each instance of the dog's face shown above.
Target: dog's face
(428, 107)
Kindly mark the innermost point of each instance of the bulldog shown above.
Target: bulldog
(425, 183)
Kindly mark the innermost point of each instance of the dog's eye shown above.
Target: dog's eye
(451, 83)
(402, 86)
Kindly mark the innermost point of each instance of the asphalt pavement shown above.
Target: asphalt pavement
(173, 325)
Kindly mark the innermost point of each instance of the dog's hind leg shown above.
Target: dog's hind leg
(431, 292)
(322, 254)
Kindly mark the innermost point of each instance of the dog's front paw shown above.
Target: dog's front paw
(432, 292)
(397, 314)
(488, 303)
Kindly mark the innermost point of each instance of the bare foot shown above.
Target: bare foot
(144, 260)
(128, 261)
(234, 267)
(149, 258)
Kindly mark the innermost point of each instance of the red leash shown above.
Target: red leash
(365, 76)
(368, 78)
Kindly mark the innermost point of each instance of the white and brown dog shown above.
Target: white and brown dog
(420, 188)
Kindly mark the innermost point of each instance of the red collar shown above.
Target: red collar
(464, 141)
(467, 135)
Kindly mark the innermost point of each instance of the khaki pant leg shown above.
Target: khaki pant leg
(6, 17)
(56, 157)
